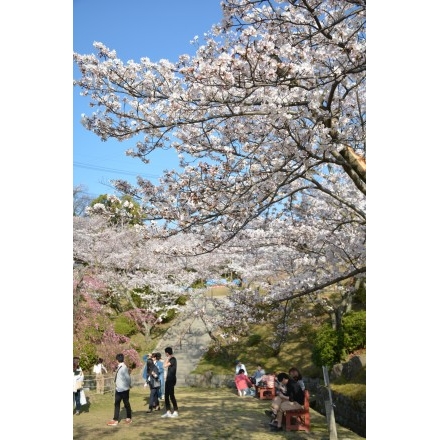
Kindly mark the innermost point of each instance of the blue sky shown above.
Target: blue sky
(134, 29)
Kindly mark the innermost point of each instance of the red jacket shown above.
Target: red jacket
(242, 382)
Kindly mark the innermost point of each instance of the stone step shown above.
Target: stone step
(189, 339)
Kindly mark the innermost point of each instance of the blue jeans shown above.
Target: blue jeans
(248, 392)
(161, 391)
(76, 398)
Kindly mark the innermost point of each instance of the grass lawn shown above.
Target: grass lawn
(204, 414)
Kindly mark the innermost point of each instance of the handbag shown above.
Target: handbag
(82, 398)
(155, 383)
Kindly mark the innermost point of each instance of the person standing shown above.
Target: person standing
(154, 384)
(122, 391)
(145, 358)
(78, 379)
(170, 382)
(160, 367)
(238, 366)
(99, 369)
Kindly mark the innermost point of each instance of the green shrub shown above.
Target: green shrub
(354, 325)
(86, 351)
(326, 349)
(331, 346)
(125, 326)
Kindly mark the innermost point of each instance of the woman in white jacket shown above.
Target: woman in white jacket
(78, 379)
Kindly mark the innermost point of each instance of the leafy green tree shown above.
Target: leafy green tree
(117, 211)
(332, 345)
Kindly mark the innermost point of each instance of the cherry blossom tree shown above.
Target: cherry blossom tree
(268, 119)
(124, 264)
(121, 264)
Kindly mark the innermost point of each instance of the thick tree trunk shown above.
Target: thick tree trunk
(337, 313)
(354, 165)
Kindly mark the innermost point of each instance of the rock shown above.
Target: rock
(354, 366)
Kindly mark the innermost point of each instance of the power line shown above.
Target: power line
(110, 170)
(94, 195)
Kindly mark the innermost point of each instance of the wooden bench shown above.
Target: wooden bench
(298, 419)
(265, 393)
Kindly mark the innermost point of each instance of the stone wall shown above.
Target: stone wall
(348, 412)
(210, 380)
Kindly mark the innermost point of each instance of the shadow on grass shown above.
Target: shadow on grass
(204, 414)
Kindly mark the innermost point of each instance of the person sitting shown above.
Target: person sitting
(259, 373)
(244, 386)
(267, 380)
(291, 396)
(296, 375)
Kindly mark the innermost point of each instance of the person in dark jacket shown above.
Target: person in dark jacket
(296, 375)
(291, 398)
(170, 382)
(145, 369)
(154, 384)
